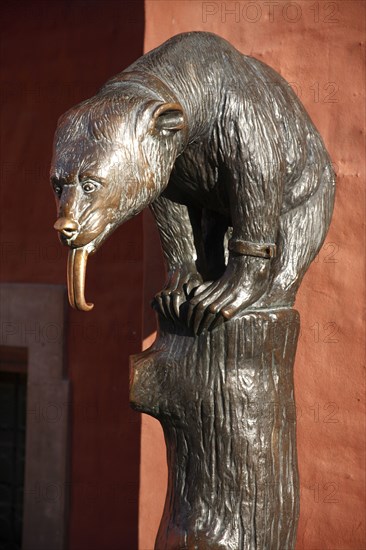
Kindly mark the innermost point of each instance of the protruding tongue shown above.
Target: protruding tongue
(76, 269)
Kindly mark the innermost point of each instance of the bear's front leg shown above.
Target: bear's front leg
(243, 282)
(177, 240)
(255, 197)
(180, 282)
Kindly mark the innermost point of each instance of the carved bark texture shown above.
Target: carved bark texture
(225, 400)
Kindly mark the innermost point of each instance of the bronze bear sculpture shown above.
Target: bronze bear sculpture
(223, 152)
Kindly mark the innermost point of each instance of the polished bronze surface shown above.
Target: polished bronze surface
(219, 146)
(242, 190)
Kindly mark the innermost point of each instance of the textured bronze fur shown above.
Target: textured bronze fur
(214, 141)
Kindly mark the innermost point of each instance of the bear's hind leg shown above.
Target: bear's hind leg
(301, 235)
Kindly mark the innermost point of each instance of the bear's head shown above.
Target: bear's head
(113, 155)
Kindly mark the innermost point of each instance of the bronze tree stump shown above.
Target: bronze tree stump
(225, 400)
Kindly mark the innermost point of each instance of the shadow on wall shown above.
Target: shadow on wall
(54, 55)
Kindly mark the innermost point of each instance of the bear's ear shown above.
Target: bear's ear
(167, 118)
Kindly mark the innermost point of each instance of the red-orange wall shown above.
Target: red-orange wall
(55, 54)
(319, 48)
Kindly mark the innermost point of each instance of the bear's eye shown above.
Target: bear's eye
(89, 186)
(58, 190)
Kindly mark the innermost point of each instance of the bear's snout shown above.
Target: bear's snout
(67, 227)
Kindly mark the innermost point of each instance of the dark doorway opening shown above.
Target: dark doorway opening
(13, 395)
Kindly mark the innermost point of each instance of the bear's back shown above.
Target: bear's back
(215, 82)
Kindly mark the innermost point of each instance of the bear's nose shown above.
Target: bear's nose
(67, 227)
